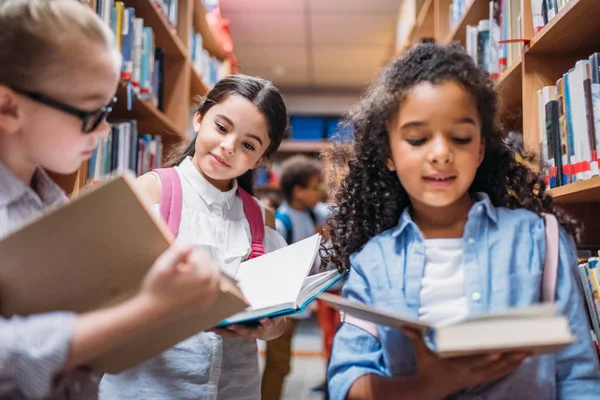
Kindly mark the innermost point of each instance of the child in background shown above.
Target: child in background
(438, 221)
(239, 125)
(59, 70)
(296, 220)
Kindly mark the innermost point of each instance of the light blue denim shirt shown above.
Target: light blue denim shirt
(503, 258)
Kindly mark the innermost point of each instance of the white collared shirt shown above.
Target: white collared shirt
(205, 366)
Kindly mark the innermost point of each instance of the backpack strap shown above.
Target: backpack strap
(170, 197)
(255, 220)
(551, 261)
(287, 223)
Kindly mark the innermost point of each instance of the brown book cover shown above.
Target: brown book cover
(94, 252)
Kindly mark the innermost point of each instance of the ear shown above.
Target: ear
(197, 121)
(390, 164)
(481, 151)
(11, 116)
(262, 161)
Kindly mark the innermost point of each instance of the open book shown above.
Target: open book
(535, 328)
(94, 252)
(276, 284)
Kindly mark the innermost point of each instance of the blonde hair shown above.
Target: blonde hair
(40, 39)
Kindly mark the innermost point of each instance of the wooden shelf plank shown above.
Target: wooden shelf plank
(424, 26)
(150, 118)
(510, 90)
(574, 30)
(209, 41)
(198, 87)
(478, 10)
(302, 146)
(587, 191)
(165, 36)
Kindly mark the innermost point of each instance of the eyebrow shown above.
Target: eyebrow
(230, 122)
(466, 120)
(417, 124)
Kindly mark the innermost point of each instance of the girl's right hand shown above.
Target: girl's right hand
(182, 279)
(455, 374)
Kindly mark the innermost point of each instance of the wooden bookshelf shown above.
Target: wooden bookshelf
(424, 27)
(587, 191)
(302, 146)
(477, 11)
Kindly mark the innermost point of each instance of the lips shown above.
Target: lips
(219, 160)
(440, 178)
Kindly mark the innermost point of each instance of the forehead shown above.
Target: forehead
(427, 101)
(96, 75)
(243, 113)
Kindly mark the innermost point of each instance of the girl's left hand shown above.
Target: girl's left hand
(268, 329)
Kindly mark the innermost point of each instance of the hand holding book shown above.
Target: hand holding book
(267, 329)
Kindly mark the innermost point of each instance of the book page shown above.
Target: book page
(277, 277)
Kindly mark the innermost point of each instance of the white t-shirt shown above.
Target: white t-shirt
(443, 298)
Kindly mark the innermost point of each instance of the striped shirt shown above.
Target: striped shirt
(34, 349)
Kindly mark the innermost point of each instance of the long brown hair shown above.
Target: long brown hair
(267, 99)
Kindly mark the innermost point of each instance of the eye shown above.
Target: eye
(460, 140)
(221, 127)
(248, 146)
(416, 142)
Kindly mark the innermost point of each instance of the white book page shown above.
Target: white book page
(277, 277)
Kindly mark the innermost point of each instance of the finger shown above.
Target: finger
(245, 331)
(500, 368)
(224, 332)
(172, 257)
(266, 322)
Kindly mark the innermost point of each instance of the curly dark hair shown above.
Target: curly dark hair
(371, 198)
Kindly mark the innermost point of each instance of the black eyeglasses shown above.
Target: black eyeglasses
(90, 119)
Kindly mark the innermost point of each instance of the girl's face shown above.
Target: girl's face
(436, 144)
(232, 138)
(52, 138)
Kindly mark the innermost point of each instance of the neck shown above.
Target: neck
(297, 205)
(15, 160)
(442, 222)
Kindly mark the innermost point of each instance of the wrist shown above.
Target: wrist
(146, 308)
(435, 387)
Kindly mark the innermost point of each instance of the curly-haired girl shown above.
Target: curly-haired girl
(437, 220)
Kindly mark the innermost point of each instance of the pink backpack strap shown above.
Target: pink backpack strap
(551, 262)
(255, 220)
(170, 197)
(367, 326)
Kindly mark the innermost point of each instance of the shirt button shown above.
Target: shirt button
(221, 238)
(471, 241)
(480, 209)
(476, 296)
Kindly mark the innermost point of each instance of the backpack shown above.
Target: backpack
(171, 204)
(549, 276)
(287, 222)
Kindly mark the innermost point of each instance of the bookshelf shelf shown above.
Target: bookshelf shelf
(574, 30)
(300, 146)
(150, 118)
(424, 25)
(209, 41)
(164, 34)
(478, 10)
(587, 191)
(198, 86)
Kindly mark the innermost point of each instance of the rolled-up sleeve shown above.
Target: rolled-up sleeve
(355, 352)
(33, 351)
(577, 371)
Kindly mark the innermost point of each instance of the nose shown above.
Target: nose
(228, 144)
(441, 151)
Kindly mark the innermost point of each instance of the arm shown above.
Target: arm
(577, 370)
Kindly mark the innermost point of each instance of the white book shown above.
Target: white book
(535, 328)
(277, 283)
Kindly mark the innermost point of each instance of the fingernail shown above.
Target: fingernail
(495, 356)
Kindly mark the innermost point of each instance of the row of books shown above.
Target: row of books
(209, 68)
(589, 273)
(543, 11)
(124, 150)
(496, 43)
(143, 62)
(569, 124)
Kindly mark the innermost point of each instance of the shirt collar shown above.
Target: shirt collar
(209, 193)
(44, 189)
(482, 203)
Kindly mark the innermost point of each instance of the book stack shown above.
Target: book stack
(209, 68)
(143, 62)
(124, 150)
(569, 124)
(542, 11)
(589, 272)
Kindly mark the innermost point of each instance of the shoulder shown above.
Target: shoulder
(149, 186)
(373, 253)
(519, 220)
